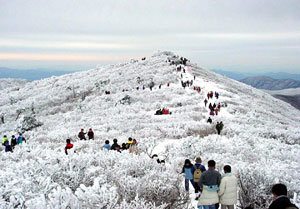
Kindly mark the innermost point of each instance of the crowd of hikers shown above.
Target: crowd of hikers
(212, 189)
(9, 146)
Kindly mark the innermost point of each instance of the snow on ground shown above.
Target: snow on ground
(260, 136)
(12, 83)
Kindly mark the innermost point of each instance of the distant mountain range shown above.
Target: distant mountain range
(30, 75)
(268, 83)
(283, 86)
(239, 75)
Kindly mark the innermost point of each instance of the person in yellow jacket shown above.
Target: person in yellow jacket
(4, 140)
(228, 189)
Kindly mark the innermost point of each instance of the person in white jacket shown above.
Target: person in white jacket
(228, 189)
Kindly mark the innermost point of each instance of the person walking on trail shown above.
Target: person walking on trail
(210, 106)
(13, 141)
(189, 177)
(209, 120)
(208, 95)
(205, 102)
(228, 189)
(128, 144)
(91, 134)
(68, 146)
(106, 145)
(281, 200)
(159, 86)
(20, 139)
(133, 147)
(115, 144)
(209, 182)
(7, 146)
(219, 127)
(81, 135)
(197, 171)
(4, 140)
(194, 77)
(216, 111)
(217, 95)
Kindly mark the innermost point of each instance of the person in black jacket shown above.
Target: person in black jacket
(13, 141)
(81, 134)
(115, 144)
(91, 134)
(281, 201)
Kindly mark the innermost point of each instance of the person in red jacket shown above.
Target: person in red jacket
(68, 146)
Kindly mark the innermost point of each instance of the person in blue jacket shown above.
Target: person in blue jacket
(107, 145)
(189, 177)
(196, 175)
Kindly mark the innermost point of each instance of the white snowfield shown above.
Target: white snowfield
(260, 137)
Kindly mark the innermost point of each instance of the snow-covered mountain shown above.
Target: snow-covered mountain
(260, 139)
(12, 83)
(291, 96)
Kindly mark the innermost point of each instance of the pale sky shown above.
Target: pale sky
(237, 35)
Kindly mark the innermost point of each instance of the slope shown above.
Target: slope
(260, 135)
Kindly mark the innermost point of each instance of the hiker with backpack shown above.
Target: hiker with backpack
(90, 134)
(4, 140)
(189, 177)
(81, 135)
(205, 102)
(197, 171)
(13, 141)
(209, 182)
(68, 146)
(219, 127)
(20, 139)
(281, 200)
(228, 189)
(129, 143)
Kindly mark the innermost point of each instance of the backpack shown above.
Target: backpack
(197, 173)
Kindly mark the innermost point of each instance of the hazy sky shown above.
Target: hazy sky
(242, 35)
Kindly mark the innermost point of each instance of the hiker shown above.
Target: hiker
(114, 145)
(209, 182)
(13, 141)
(189, 177)
(133, 147)
(199, 89)
(205, 102)
(281, 200)
(143, 87)
(151, 88)
(216, 111)
(4, 140)
(209, 120)
(181, 75)
(123, 147)
(219, 106)
(210, 106)
(214, 106)
(106, 145)
(68, 146)
(7, 146)
(165, 111)
(107, 92)
(228, 189)
(208, 95)
(194, 77)
(211, 94)
(137, 88)
(197, 171)
(128, 144)
(118, 148)
(91, 134)
(159, 86)
(219, 128)
(212, 113)
(144, 58)
(158, 112)
(81, 134)
(21, 139)
(217, 95)
(168, 84)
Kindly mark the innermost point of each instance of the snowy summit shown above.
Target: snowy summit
(260, 137)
